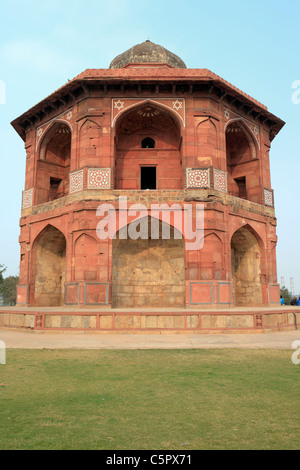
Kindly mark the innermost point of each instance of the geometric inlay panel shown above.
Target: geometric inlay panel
(220, 180)
(76, 181)
(99, 178)
(197, 178)
(27, 198)
(268, 197)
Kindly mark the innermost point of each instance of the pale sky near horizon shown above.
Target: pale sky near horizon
(252, 44)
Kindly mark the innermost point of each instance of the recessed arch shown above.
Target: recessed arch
(53, 164)
(212, 257)
(86, 258)
(89, 140)
(243, 164)
(48, 134)
(156, 124)
(89, 121)
(207, 142)
(242, 124)
(148, 143)
(148, 272)
(87, 235)
(246, 267)
(49, 265)
(150, 102)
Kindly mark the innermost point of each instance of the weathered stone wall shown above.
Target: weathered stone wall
(148, 273)
(245, 261)
(50, 268)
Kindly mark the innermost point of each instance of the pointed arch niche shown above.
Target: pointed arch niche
(141, 166)
(89, 143)
(86, 258)
(148, 272)
(53, 165)
(211, 258)
(207, 143)
(246, 261)
(243, 165)
(49, 252)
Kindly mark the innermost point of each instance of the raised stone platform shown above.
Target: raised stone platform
(189, 320)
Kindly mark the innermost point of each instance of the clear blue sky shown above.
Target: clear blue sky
(255, 45)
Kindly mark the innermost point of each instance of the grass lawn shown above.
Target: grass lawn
(155, 400)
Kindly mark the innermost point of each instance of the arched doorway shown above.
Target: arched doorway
(149, 272)
(49, 268)
(243, 165)
(53, 166)
(246, 268)
(147, 152)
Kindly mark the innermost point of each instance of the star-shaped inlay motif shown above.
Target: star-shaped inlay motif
(177, 105)
(119, 105)
(226, 114)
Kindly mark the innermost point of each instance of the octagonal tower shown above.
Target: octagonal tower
(148, 131)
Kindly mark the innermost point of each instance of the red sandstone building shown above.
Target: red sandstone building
(153, 131)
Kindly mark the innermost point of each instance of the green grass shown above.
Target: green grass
(156, 400)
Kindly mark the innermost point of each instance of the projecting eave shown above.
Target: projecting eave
(187, 81)
(52, 103)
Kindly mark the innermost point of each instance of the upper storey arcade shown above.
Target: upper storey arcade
(147, 122)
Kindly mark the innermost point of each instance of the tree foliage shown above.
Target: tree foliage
(2, 270)
(286, 295)
(8, 288)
